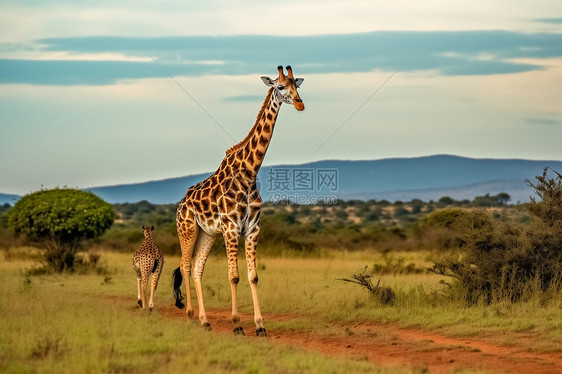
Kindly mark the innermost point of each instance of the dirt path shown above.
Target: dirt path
(387, 344)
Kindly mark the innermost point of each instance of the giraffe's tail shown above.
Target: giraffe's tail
(155, 266)
(177, 279)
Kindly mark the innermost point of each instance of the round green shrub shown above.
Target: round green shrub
(58, 220)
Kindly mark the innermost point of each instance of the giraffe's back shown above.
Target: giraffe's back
(201, 204)
(148, 258)
(213, 203)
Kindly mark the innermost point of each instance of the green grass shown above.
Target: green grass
(90, 323)
(87, 323)
(309, 287)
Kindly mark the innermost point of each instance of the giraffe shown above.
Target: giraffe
(228, 203)
(147, 259)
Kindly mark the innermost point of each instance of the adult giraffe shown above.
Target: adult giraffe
(228, 203)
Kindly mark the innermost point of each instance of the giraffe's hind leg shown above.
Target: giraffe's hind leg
(139, 287)
(188, 230)
(144, 284)
(139, 297)
(202, 249)
(250, 247)
(158, 264)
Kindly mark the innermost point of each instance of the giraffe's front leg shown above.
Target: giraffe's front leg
(231, 238)
(250, 247)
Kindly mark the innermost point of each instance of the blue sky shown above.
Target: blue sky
(86, 99)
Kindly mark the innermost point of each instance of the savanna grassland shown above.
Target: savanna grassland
(88, 320)
(91, 322)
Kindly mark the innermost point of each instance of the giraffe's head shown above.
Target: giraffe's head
(148, 231)
(285, 87)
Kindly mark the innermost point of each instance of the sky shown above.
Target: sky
(105, 93)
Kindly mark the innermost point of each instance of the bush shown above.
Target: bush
(59, 220)
(381, 294)
(492, 255)
(545, 230)
(436, 231)
(505, 260)
(281, 234)
(396, 265)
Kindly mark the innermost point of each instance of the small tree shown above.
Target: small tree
(445, 200)
(500, 199)
(59, 220)
(503, 198)
(549, 208)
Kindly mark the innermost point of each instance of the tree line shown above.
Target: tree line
(506, 250)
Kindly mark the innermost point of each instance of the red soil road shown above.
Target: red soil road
(390, 345)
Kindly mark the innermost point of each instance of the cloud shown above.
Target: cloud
(549, 20)
(449, 53)
(251, 98)
(73, 72)
(544, 121)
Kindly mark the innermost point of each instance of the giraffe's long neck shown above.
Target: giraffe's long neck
(251, 151)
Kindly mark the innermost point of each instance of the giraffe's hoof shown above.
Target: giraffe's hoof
(261, 332)
(207, 326)
(140, 303)
(150, 309)
(190, 313)
(238, 330)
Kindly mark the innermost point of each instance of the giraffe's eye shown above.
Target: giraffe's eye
(280, 87)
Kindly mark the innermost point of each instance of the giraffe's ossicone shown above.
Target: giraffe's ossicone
(147, 260)
(228, 203)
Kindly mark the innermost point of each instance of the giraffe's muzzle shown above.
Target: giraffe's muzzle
(298, 104)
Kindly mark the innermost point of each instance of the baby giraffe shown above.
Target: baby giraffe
(148, 259)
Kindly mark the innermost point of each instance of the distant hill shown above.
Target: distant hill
(425, 178)
(6, 198)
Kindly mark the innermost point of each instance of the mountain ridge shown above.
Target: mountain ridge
(405, 178)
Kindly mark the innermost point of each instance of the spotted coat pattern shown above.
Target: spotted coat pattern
(228, 203)
(147, 260)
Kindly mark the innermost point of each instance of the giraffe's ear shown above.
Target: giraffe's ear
(151, 228)
(268, 81)
(298, 82)
(143, 227)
